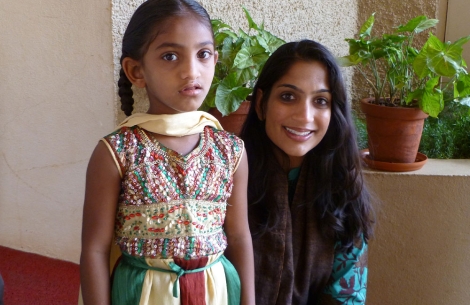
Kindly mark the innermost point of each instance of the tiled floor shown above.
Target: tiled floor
(31, 279)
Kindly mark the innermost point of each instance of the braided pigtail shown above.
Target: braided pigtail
(125, 92)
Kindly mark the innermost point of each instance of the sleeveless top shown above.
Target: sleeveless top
(172, 205)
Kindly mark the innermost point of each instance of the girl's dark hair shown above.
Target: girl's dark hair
(339, 191)
(143, 29)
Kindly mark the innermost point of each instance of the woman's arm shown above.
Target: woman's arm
(240, 248)
(103, 184)
(348, 281)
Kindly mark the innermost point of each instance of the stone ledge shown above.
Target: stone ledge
(433, 167)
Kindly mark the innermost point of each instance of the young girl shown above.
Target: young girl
(309, 211)
(168, 185)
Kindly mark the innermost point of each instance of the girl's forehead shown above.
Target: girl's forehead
(172, 23)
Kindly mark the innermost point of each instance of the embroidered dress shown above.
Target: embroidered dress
(170, 217)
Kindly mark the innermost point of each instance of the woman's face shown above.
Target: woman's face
(298, 110)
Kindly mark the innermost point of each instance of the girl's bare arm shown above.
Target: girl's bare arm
(240, 248)
(102, 190)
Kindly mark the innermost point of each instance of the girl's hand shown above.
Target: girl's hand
(103, 184)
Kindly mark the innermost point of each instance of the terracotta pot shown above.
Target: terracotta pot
(234, 121)
(394, 133)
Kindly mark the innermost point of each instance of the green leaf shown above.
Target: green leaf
(269, 42)
(366, 28)
(348, 61)
(251, 23)
(414, 95)
(253, 56)
(417, 25)
(462, 86)
(461, 41)
(432, 101)
(229, 96)
(446, 62)
(420, 64)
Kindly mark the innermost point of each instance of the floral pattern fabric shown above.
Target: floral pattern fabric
(348, 282)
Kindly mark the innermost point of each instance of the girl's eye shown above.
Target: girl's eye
(287, 97)
(169, 57)
(204, 54)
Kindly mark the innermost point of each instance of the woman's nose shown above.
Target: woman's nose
(304, 111)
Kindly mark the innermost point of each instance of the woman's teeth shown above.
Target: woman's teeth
(298, 133)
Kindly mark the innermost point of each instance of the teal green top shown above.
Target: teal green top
(348, 280)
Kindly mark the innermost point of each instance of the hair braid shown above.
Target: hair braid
(125, 92)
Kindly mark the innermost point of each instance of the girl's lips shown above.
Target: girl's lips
(191, 90)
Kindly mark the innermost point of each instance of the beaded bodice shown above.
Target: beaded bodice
(172, 205)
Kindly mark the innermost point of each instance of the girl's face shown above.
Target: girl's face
(178, 67)
(298, 110)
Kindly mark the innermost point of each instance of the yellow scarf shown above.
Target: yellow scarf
(177, 125)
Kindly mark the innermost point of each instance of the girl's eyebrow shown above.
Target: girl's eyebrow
(180, 46)
(300, 90)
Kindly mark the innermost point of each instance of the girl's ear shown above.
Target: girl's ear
(133, 70)
(259, 110)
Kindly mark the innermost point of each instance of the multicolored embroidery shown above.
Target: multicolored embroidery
(172, 205)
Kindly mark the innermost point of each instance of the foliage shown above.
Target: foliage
(241, 57)
(400, 74)
(447, 137)
(361, 130)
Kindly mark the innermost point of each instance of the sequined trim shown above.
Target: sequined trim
(172, 219)
(184, 247)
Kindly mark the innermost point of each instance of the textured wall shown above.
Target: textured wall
(420, 252)
(290, 20)
(57, 99)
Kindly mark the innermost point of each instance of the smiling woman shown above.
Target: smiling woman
(307, 201)
(298, 110)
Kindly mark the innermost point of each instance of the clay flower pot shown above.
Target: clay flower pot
(394, 133)
(234, 121)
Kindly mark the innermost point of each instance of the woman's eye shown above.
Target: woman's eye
(287, 97)
(169, 57)
(322, 101)
(204, 54)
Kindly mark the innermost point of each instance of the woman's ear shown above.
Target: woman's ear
(258, 108)
(133, 70)
(216, 57)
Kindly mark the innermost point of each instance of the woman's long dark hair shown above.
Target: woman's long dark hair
(339, 191)
(142, 30)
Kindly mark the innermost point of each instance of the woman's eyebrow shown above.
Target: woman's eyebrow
(300, 90)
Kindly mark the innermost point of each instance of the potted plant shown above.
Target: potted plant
(241, 57)
(407, 84)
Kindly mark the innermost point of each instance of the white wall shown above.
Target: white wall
(57, 99)
(458, 23)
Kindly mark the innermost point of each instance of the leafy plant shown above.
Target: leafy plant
(400, 74)
(241, 57)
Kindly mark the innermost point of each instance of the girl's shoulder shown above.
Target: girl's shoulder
(223, 134)
(123, 131)
(224, 138)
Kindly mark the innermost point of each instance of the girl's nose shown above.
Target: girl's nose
(190, 69)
